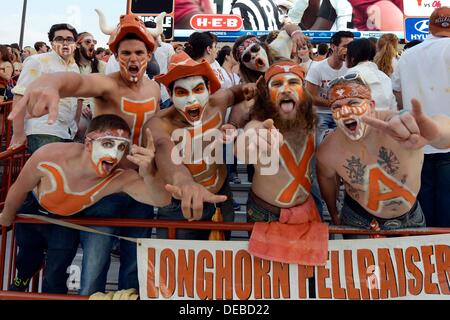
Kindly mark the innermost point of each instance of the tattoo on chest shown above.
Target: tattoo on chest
(388, 161)
(355, 170)
(352, 191)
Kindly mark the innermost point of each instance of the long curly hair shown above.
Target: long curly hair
(387, 50)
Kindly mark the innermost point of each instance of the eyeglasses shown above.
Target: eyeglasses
(253, 49)
(347, 77)
(89, 41)
(61, 40)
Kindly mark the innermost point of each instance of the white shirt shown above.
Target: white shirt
(231, 79)
(87, 69)
(320, 73)
(219, 71)
(423, 73)
(162, 55)
(380, 85)
(35, 66)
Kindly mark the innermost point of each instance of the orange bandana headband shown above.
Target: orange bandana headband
(348, 90)
(284, 67)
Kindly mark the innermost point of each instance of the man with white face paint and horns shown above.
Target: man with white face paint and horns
(67, 178)
(199, 109)
(134, 98)
(380, 167)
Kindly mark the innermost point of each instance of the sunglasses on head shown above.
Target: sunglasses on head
(253, 49)
(347, 77)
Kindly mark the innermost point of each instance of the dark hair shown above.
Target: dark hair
(77, 55)
(322, 49)
(99, 50)
(198, 42)
(38, 45)
(337, 37)
(359, 50)
(108, 122)
(15, 46)
(412, 44)
(133, 36)
(225, 51)
(4, 53)
(59, 27)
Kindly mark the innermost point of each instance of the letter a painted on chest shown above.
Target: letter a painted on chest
(396, 190)
(297, 170)
(140, 111)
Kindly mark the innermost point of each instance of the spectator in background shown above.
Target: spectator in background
(203, 45)
(423, 73)
(305, 57)
(6, 73)
(322, 52)
(373, 42)
(15, 56)
(359, 53)
(178, 47)
(27, 52)
(87, 63)
(162, 55)
(100, 53)
(40, 47)
(106, 56)
(4, 54)
(387, 53)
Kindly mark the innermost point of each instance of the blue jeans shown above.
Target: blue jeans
(325, 125)
(434, 195)
(97, 248)
(38, 242)
(174, 212)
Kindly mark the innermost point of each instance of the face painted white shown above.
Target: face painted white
(258, 61)
(286, 86)
(107, 153)
(349, 119)
(190, 96)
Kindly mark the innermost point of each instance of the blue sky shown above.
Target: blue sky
(42, 14)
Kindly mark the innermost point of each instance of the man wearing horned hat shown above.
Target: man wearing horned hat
(134, 98)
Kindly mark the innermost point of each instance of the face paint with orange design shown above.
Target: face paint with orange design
(133, 60)
(348, 113)
(286, 92)
(190, 96)
(107, 150)
(64, 49)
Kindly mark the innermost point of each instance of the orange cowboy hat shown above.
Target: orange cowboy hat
(130, 24)
(183, 66)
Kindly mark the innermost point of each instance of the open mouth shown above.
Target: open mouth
(351, 125)
(260, 63)
(108, 165)
(287, 105)
(194, 113)
(133, 70)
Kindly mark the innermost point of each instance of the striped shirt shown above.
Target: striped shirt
(258, 14)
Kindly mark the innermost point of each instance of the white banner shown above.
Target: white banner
(422, 8)
(387, 268)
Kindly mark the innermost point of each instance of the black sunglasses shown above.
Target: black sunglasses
(248, 56)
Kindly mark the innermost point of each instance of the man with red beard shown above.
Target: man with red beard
(88, 63)
(199, 109)
(134, 98)
(381, 173)
(284, 120)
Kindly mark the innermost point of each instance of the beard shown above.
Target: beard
(86, 54)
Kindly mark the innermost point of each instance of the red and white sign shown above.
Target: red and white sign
(422, 8)
(217, 22)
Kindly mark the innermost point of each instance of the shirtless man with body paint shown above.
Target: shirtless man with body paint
(133, 97)
(199, 108)
(378, 159)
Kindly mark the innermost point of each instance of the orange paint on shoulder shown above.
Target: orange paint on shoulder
(376, 175)
(61, 200)
(141, 112)
(297, 170)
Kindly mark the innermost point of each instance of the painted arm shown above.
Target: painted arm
(42, 95)
(317, 100)
(227, 97)
(27, 180)
(415, 129)
(18, 138)
(326, 176)
(180, 182)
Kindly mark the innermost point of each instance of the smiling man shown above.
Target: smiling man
(381, 176)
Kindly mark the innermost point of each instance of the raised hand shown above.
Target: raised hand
(38, 101)
(144, 157)
(250, 91)
(192, 196)
(412, 129)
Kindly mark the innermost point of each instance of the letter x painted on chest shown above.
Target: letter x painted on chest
(297, 170)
